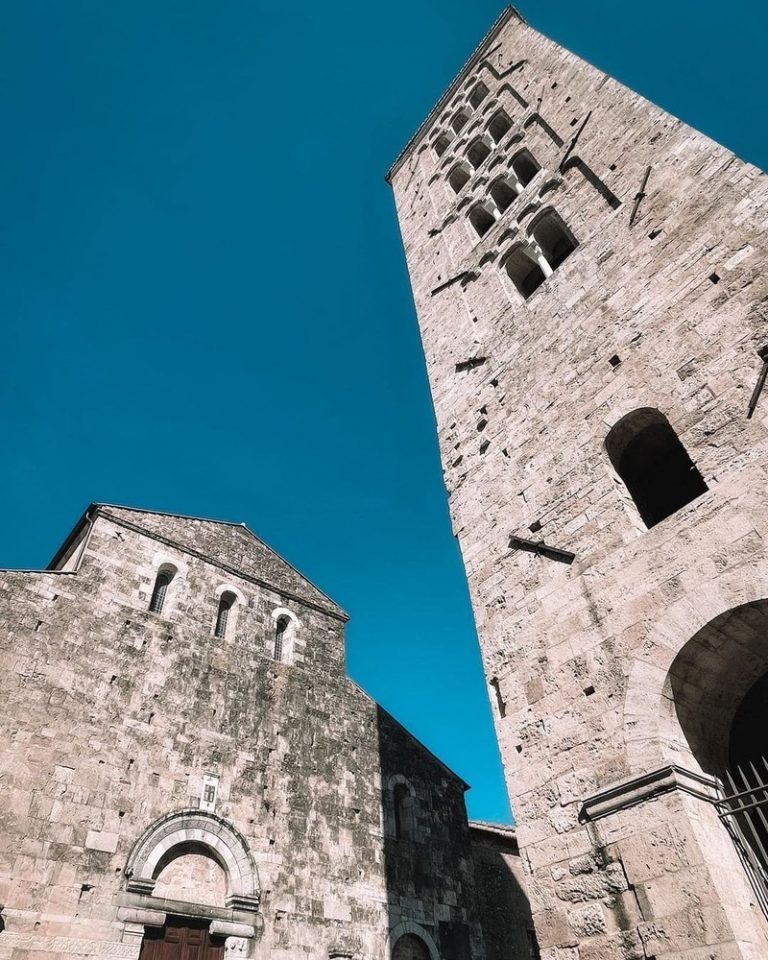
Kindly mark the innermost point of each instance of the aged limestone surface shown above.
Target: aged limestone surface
(590, 282)
(185, 765)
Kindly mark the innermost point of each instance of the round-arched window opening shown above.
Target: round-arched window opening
(647, 454)
(282, 625)
(226, 602)
(163, 580)
(525, 167)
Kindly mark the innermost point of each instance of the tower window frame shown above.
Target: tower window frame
(482, 217)
(653, 464)
(552, 237)
(478, 152)
(478, 93)
(441, 144)
(499, 125)
(459, 120)
(524, 166)
(459, 176)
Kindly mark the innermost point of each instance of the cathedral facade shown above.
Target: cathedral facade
(188, 773)
(590, 280)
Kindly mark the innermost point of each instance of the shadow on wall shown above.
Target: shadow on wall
(454, 889)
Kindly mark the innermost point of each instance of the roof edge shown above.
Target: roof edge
(96, 508)
(506, 830)
(506, 14)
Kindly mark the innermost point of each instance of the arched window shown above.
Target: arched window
(525, 167)
(555, 240)
(479, 93)
(459, 121)
(459, 176)
(401, 802)
(160, 589)
(503, 193)
(282, 625)
(481, 219)
(441, 144)
(499, 126)
(226, 602)
(648, 456)
(479, 150)
(524, 271)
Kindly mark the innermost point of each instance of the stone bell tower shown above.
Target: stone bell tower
(590, 281)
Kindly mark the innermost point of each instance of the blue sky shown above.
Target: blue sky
(205, 302)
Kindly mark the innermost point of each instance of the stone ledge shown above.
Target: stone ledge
(648, 786)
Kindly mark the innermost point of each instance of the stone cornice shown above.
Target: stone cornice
(648, 786)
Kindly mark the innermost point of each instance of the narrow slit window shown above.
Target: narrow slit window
(441, 144)
(479, 93)
(481, 219)
(503, 194)
(525, 167)
(459, 177)
(523, 270)
(499, 126)
(555, 240)
(281, 629)
(226, 602)
(478, 152)
(159, 591)
(653, 464)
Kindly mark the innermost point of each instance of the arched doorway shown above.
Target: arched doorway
(718, 684)
(410, 947)
(181, 939)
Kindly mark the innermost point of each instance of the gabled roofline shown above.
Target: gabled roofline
(477, 54)
(98, 508)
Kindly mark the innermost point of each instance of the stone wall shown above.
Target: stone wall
(662, 305)
(505, 913)
(115, 719)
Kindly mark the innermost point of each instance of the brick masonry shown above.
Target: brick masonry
(614, 679)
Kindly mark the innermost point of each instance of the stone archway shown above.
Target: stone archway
(651, 725)
(710, 678)
(407, 938)
(196, 830)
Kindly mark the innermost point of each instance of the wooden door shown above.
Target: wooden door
(181, 940)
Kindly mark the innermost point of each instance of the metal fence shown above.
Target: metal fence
(743, 808)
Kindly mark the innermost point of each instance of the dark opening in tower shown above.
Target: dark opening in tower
(525, 167)
(648, 456)
(499, 126)
(478, 152)
(481, 219)
(524, 271)
(555, 240)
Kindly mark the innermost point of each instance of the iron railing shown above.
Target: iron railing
(743, 808)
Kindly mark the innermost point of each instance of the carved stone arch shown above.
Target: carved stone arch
(653, 733)
(405, 927)
(230, 588)
(187, 829)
